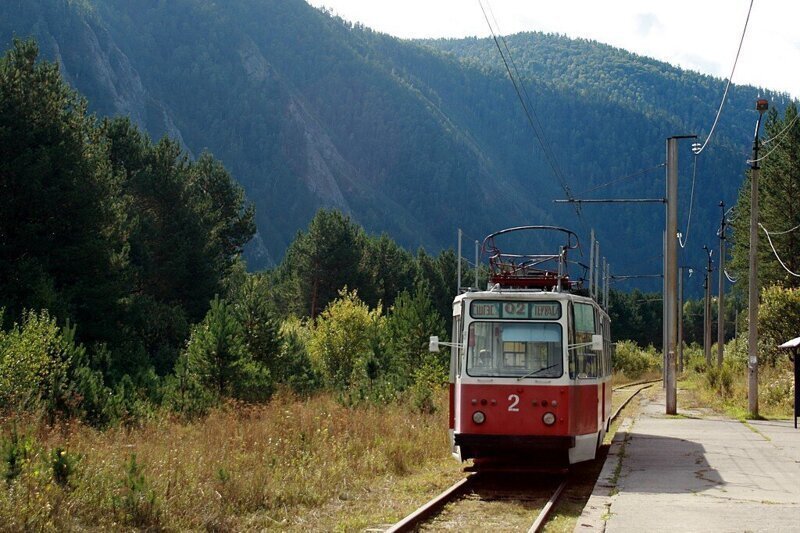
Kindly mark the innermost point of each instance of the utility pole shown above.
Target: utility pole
(707, 320)
(591, 264)
(458, 289)
(752, 289)
(477, 258)
(671, 274)
(680, 320)
(721, 289)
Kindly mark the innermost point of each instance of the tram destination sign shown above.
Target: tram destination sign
(547, 310)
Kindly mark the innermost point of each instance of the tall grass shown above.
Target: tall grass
(239, 468)
(725, 388)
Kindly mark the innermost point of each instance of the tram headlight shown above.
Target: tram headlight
(478, 417)
(549, 418)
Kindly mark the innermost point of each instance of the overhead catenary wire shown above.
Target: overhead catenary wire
(626, 177)
(530, 112)
(732, 280)
(728, 85)
(775, 252)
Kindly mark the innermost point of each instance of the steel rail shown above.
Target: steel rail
(538, 524)
(410, 522)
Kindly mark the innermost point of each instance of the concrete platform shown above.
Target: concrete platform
(693, 473)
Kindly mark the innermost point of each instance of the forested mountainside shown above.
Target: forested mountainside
(414, 138)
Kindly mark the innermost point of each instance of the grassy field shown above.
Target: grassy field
(293, 464)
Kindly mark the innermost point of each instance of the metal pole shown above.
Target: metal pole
(591, 264)
(680, 319)
(664, 312)
(596, 270)
(477, 258)
(671, 274)
(752, 289)
(721, 291)
(605, 283)
(458, 289)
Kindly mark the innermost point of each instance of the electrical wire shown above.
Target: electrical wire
(621, 178)
(782, 232)
(763, 157)
(728, 85)
(782, 131)
(774, 251)
(682, 242)
(530, 112)
(732, 280)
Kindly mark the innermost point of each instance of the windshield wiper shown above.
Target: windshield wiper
(531, 374)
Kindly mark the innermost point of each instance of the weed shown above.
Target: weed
(138, 503)
(63, 465)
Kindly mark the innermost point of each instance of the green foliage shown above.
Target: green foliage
(778, 319)
(636, 316)
(254, 307)
(63, 464)
(295, 367)
(17, 451)
(344, 345)
(322, 261)
(778, 190)
(61, 217)
(138, 504)
(428, 378)
(409, 325)
(633, 361)
(217, 357)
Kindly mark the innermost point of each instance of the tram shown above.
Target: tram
(530, 365)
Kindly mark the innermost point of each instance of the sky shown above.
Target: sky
(700, 35)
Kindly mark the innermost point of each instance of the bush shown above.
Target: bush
(633, 361)
(345, 343)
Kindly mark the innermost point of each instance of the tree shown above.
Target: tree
(409, 325)
(343, 343)
(322, 261)
(779, 211)
(61, 244)
(216, 348)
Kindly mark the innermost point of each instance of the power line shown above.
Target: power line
(774, 251)
(782, 131)
(728, 85)
(763, 157)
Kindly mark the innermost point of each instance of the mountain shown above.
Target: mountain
(414, 138)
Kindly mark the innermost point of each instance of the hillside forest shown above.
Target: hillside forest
(129, 318)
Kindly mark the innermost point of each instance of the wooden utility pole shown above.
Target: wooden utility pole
(721, 289)
(752, 289)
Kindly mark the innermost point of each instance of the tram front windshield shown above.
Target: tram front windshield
(518, 349)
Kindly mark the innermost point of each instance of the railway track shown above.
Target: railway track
(476, 483)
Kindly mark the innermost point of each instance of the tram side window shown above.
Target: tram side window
(457, 350)
(585, 358)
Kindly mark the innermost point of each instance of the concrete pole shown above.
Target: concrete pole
(477, 258)
(707, 321)
(721, 291)
(752, 282)
(671, 275)
(680, 320)
(591, 264)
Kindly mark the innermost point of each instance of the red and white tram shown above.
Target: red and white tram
(530, 370)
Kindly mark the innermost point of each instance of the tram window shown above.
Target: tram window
(585, 359)
(521, 349)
